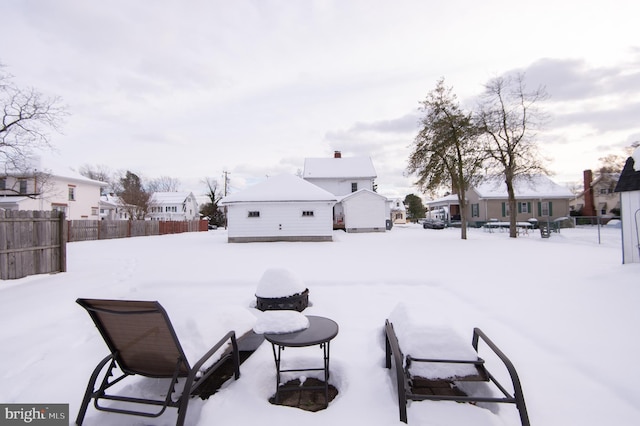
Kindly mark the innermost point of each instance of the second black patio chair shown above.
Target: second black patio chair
(417, 388)
(142, 341)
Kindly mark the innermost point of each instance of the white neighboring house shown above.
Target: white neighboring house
(398, 211)
(173, 206)
(61, 189)
(345, 177)
(281, 208)
(109, 205)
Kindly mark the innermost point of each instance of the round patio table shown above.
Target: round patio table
(321, 331)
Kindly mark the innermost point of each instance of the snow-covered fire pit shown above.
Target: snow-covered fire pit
(279, 289)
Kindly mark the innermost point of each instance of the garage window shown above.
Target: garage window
(307, 213)
(254, 214)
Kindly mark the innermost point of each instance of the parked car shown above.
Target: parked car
(433, 224)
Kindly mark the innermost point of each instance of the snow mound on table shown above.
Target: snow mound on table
(280, 322)
(422, 335)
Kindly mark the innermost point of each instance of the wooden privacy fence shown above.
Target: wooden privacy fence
(86, 230)
(32, 242)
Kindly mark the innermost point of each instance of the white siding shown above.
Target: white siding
(630, 222)
(280, 220)
(365, 212)
(86, 198)
(341, 186)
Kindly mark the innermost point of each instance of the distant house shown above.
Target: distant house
(344, 177)
(629, 188)
(281, 208)
(398, 211)
(173, 206)
(61, 189)
(598, 197)
(109, 205)
(537, 197)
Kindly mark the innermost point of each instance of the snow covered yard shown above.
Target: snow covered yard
(564, 309)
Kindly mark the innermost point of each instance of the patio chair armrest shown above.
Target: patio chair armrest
(518, 396)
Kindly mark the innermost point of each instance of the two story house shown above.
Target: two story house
(61, 189)
(598, 197)
(352, 180)
(173, 206)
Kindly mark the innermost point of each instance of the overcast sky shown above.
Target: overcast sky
(189, 89)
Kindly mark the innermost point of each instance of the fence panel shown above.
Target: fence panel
(31, 242)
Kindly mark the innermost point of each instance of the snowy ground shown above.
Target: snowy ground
(564, 309)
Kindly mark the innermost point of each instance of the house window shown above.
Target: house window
(307, 213)
(94, 211)
(254, 214)
(505, 209)
(354, 186)
(72, 193)
(545, 208)
(23, 186)
(475, 210)
(3, 183)
(523, 207)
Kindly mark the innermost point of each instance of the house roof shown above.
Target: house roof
(537, 186)
(53, 169)
(169, 197)
(630, 176)
(348, 167)
(360, 192)
(280, 188)
(444, 201)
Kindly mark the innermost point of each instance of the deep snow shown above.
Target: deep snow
(564, 309)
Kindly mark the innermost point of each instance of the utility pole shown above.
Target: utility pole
(226, 182)
(225, 175)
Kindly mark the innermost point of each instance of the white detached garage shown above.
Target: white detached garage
(282, 208)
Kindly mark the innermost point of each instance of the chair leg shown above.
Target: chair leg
(90, 390)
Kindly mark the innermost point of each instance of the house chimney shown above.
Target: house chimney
(589, 208)
(337, 154)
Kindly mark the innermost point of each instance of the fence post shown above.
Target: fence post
(63, 241)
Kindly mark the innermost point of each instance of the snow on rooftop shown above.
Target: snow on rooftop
(529, 187)
(280, 188)
(349, 167)
(170, 197)
(636, 159)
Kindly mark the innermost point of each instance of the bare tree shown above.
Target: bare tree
(446, 152)
(163, 184)
(100, 173)
(509, 117)
(27, 118)
(211, 209)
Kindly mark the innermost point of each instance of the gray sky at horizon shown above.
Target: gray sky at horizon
(189, 89)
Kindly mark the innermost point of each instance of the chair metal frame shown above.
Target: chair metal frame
(118, 364)
(404, 379)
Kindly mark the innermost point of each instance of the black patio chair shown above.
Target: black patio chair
(419, 388)
(142, 341)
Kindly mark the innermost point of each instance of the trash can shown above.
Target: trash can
(389, 224)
